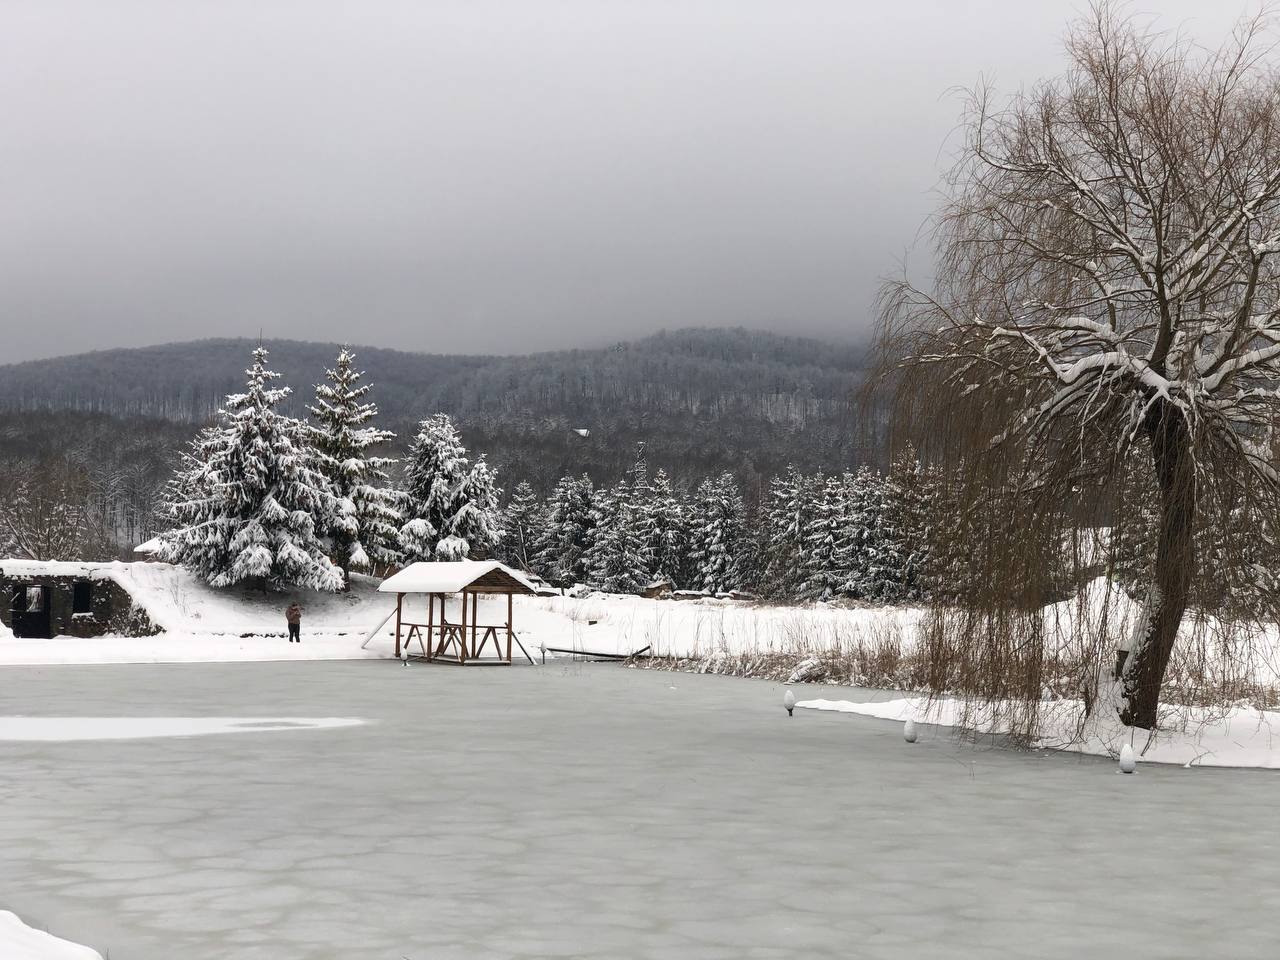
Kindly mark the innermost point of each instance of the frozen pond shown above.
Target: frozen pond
(593, 811)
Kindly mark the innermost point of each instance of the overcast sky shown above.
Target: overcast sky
(481, 175)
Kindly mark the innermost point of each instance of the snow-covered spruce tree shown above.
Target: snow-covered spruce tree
(666, 527)
(188, 504)
(567, 533)
(603, 508)
(615, 559)
(893, 513)
(523, 521)
(752, 553)
(905, 507)
(788, 512)
(1107, 290)
(824, 561)
(449, 505)
(860, 544)
(716, 531)
(476, 528)
(364, 530)
(244, 500)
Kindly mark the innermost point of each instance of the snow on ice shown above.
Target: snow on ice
(1242, 737)
(137, 728)
(20, 942)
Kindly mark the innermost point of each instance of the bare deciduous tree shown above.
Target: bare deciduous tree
(1107, 295)
(43, 512)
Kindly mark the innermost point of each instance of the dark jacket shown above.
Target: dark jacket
(293, 614)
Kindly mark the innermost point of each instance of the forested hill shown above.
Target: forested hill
(701, 399)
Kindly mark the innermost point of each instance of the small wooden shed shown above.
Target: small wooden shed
(463, 639)
(40, 599)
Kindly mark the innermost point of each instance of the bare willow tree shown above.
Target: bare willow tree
(1107, 307)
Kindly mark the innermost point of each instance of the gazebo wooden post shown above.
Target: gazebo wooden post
(431, 619)
(399, 606)
(475, 619)
(509, 621)
(462, 633)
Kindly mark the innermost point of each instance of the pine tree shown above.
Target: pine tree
(666, 529)
(365, 528)
(788, 513)
(188, 506)
(894, 514)
(243, 504)
(753, 551)
(717, 532)
(824, 554)
(910, 505)
(523, 521)
(603, 508)
(615, 558)
(450, 505)
(476, 527)
(865, 546)
(567, 534)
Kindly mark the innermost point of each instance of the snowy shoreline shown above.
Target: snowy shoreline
(874, 647)
(21, 942)
(1188, 737)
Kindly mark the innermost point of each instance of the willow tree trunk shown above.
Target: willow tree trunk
(1174, 565)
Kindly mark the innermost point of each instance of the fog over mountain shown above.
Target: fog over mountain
(699, 400)
(480, 176)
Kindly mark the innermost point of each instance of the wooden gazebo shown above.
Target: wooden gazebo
(463, 639)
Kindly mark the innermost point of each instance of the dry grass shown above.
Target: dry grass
(1205, 671)
(877, 656)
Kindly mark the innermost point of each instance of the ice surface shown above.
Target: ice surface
(599, 812)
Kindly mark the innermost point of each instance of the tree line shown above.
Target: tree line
(857, 535)
(265, 498)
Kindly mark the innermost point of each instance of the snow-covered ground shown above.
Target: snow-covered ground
(20, 942)
(1237, 737)
(203, 624)
(704, 628)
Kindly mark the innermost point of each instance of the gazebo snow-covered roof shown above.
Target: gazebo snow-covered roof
(464, 639)
(454, 576)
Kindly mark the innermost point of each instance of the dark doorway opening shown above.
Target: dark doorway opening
(29, 609)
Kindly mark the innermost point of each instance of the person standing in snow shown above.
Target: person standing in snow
(294, 615)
